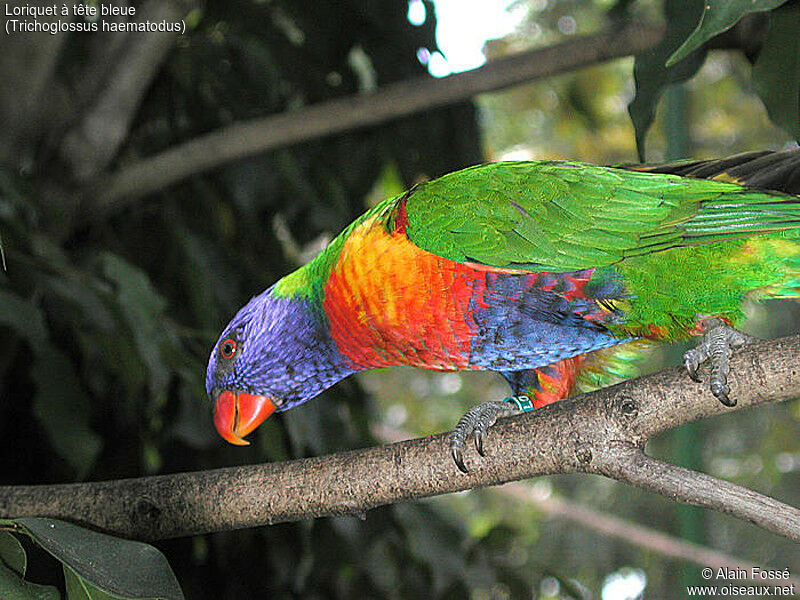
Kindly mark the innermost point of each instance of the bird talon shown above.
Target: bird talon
(716, 347)
(459, 459)
(479, 436)
(720, 392)
(691, 369)
(726, 400)
(476, 422)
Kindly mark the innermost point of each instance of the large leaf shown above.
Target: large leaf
(12, 554)
(650, 73)
(63, 410)
(121, 568)
(719, 16)
(13, 587)
(776, 74)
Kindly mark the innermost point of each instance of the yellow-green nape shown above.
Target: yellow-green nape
(297, 283)
(308, 280)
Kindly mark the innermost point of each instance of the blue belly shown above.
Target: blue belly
(529, 321)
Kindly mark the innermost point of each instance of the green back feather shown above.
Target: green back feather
(564, 216)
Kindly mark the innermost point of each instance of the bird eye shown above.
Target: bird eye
(227, 349)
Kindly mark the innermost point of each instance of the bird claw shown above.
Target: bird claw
(476, 422)
(691, 367)
(458, 458)
(479, 436)
(716, 346)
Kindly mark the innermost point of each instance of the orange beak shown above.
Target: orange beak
(237, 414)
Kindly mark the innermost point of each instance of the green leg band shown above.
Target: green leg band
(521, 402)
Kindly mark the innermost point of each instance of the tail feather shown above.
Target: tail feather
(764, 170)
(609, 366)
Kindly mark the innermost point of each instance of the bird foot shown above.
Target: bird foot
(716, 346)
(476, 422)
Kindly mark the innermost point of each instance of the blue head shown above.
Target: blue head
(274, 354)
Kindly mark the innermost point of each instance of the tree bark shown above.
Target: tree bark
(603, 433)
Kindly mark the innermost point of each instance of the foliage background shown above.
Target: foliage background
(106, 323)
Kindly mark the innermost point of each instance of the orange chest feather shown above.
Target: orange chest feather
(389, 302)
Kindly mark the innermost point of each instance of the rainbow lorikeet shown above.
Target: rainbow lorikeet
(524, 268)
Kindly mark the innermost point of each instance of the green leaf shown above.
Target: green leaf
(80, 589)
(650, 73)
(60, 403)
(776, 74)
(62, 408)
(12, 554)
(23, 317)
(120, 568)
(142, 308)
(13, 587)
(719, 16)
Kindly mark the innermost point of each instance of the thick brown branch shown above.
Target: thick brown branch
(398, 100)
(600, 432)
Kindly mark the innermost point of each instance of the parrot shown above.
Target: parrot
(526, 268)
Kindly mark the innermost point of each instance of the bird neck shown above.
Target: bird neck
(311, 362)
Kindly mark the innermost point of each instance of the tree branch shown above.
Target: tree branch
(602, 432)
(631, 465)
(95, 140)
(27, 64)
(398, 100)
(556, 507)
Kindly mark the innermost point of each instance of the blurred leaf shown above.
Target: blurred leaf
(81, 296)
(63, 410)
(12, 587)
(433, 541)
(142, 308)
(776, 74)
(620, 10)
(204, 275)
(193, 424)
(23, 317)
(121, 568)
(650, 72)
(60, 403)
(12, 554)
(719, 16)
(382, 567)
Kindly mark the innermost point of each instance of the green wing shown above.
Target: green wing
(564, 216)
